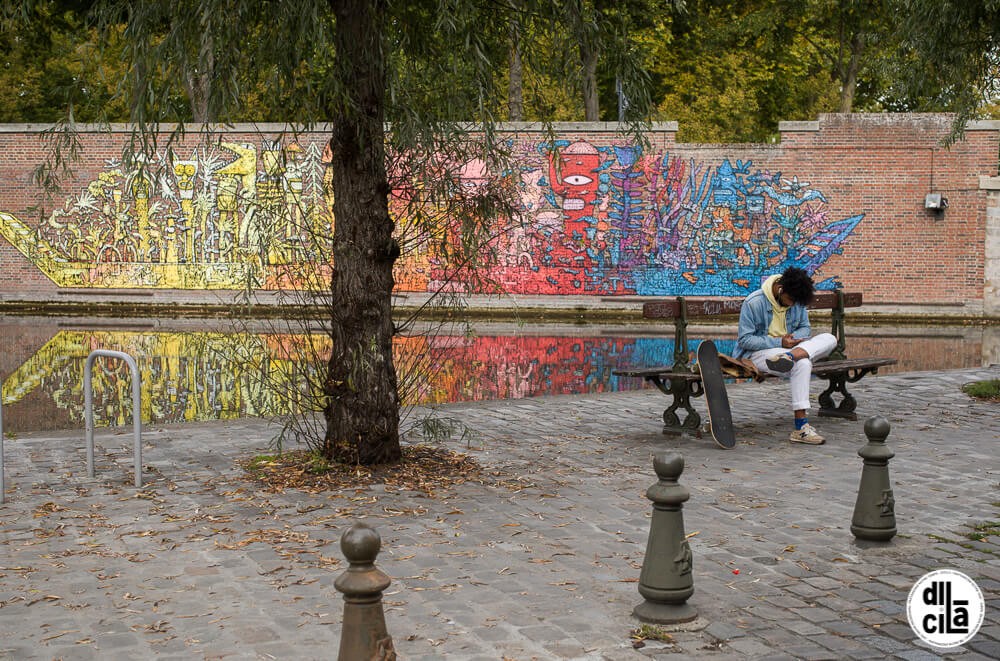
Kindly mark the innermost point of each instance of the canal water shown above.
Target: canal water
(197, 372)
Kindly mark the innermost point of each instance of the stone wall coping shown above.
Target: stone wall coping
(277, 127)
(503, 127)
(793, 127)
(989, 183)
(583, 127)
(983, 125)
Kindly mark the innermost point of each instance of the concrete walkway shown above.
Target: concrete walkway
(541, 561)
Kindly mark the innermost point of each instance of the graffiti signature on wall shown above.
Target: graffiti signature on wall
(595, 219)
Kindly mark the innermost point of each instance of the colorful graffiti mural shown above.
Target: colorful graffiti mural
(198, 376)
(593, 220)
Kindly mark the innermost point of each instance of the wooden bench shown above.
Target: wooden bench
(681, 381)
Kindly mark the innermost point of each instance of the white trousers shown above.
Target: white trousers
(817, 347)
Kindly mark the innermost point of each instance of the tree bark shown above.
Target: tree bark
(198, 78)
(588, 59)
(362, 404)
(849, 82)
(515, 86)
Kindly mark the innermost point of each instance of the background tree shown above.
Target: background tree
(850, 37)
(950, 56)
(730, 71)
(49, 62)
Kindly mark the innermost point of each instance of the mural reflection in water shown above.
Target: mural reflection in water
(192, 376)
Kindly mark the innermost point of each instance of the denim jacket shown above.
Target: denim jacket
(755, 318)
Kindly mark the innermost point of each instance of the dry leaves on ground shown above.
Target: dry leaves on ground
(423, 468)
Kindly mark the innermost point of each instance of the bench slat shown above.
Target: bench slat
(819, 369)
(829, 366)
(707, 307)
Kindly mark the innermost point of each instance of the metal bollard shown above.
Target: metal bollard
(875, 510)
(666, 580)
(363, 634)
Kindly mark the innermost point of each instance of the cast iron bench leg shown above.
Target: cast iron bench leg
(828, 408)
(682, 390)
(838, 384)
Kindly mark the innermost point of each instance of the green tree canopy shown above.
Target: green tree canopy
(950, 57)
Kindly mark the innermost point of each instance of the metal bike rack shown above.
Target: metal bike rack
(88, 406)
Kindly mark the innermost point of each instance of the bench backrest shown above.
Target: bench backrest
(708, 307)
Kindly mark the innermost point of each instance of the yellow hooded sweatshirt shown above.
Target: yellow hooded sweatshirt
(777, 327)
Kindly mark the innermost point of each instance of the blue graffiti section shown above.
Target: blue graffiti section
(613, 220)
(724, 229)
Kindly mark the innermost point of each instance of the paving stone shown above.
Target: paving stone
(847, 629)
(887, 607)
(885, 644)
(866, 653)
(823, 583)
(749, 647)
(722, 631)
(801, 627)
(817, 615)
(918, 655)
(987, 647)
(808, 652)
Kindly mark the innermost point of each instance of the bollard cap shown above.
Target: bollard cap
(666, 492)
(360, 544)
(668, 465)
(877, 429)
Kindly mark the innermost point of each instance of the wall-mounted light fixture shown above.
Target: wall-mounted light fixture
(935, 202)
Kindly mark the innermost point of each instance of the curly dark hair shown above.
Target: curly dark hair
(797, 284)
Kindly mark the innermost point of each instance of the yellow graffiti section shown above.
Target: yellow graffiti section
(42, 253)
(226, 216)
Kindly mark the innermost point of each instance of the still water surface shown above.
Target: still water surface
(195, 373)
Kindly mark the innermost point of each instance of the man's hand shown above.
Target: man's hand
(787, 341)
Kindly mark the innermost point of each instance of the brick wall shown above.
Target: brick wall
(842, 197)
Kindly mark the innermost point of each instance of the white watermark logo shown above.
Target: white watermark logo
(945, 608)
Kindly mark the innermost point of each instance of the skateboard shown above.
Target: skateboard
(715, 394)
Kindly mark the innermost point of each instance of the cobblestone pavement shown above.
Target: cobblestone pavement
(540, 562)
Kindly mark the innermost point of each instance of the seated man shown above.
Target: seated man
(774, 333)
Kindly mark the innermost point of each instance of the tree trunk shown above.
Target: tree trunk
(362, 405)
(197, 84)
(849, 83)
(588, 59)
(198, 79)
(515, 86)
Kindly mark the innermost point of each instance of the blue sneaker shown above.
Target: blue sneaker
(782, 364)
